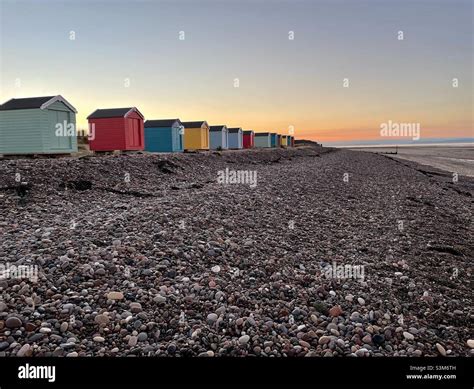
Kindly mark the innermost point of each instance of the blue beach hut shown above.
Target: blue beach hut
(235, 138)
(218, 137)
(164, 135)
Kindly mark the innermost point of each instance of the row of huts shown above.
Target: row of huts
(47, 125)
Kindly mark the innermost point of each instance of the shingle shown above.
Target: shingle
(109, 113)
(217, 128)
(194, 124)
(162, 123)
(25, 103)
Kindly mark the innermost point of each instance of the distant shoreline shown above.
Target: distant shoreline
(453, 144)
(454, 158)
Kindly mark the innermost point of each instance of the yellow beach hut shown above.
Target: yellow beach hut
(284, 141)
(196, 135)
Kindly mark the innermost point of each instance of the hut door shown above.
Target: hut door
(135, 133)
(59, 134)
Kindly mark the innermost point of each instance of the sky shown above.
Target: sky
(344, 74)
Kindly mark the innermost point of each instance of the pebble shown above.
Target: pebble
(115, 296)
(355, 316)
(304, 344)
(24, 351)
(324, 340)
(212, 318)
(361, 301)
(335, 311)
(159, 299)
(244, 339)
(441, 349)
(64, 326)
(3, 306)
(13, 322)
(408, 336)
(135, 307)
(216, 269)
(98, 339)
(132, 342)
(378, 339)
(101, 319)
(470, 343)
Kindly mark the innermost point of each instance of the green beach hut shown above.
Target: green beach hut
(38, 125)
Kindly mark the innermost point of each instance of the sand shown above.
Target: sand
(453, 158)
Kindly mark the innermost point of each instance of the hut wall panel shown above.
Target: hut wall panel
(262, 141)
(196, 139)
(21, 131)
(158, 139)
(109, 134)
(235, 140)
(215, 140)
(192, 138)
(248, 141)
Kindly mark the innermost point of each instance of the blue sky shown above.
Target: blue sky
(282, 83)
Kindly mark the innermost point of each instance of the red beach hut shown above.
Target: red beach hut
(249, 137)
(116, 129)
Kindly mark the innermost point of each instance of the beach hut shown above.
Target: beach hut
(235, 138)
(278, 140)
(263, 140)
(284, 140)
(274, 139)
(116, 129)
(292, 141)
(196, 135)
(164, 135)
(288, 141)
(248, 139)
(38, 125)
(218, 137)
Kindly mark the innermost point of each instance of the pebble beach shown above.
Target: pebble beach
(330, 253)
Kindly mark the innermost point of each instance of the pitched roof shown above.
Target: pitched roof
(112, 113)
(248, 132)
(217, 128)
(234, 130)
(262, 133)
(34, 102)
(194, 124)
(162, 123)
